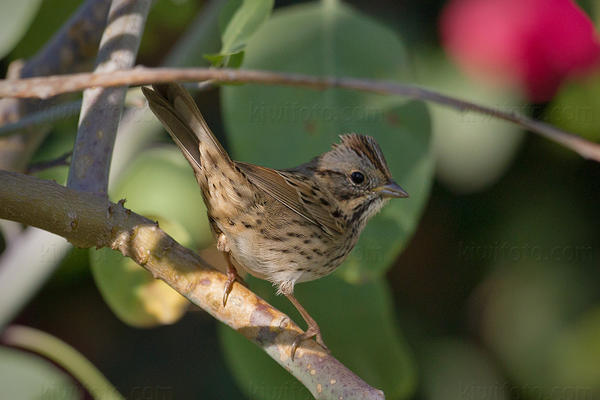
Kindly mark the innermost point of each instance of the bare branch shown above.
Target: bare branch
(44, 87)
(42, 117)
(90, 220)
(60, 161)
(70, 50)
(101, 107)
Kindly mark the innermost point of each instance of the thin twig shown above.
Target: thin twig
(89, 220)
(45, 116)
(45, 87)
(60, 161)
(101, 107)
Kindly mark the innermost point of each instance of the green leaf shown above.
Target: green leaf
(235, 60)
(227, 13)
(238, 21)
(161, 185)
(247, 18)
(27, 376)
(131, 292)
(161, 182)
(230, 60)
(359, 326)
(282, 127)
(60, 353)
(15, 17)
(43, 26)
(215, 59)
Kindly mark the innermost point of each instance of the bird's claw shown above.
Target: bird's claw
(232, 276)
(309, 334)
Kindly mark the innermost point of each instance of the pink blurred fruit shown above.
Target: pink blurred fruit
(534, 44)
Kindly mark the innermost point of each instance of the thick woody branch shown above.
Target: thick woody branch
(45, 87)
(101, 107)
(90, 220)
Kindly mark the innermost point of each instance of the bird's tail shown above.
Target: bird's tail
(178, 112)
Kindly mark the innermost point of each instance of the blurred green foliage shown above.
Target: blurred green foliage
(457, 370)
(28, 376)
(471, 151)
(166, 20)
(15, 18)
(576, 107)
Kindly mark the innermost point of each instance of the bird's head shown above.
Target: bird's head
(356, 174)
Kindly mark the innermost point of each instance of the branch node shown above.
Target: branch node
(283, 324)
(73, 222)
(15, 68)
(163, 250)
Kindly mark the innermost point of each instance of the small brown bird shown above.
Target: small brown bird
(285, 226)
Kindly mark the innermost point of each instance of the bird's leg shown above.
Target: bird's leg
(312, 330)
(232, 276)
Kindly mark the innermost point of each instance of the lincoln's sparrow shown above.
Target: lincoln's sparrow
(285, 226)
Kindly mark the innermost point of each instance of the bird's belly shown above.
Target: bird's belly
(286, 260)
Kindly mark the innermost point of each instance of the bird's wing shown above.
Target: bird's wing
(296, 194)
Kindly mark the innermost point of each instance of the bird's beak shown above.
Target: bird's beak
(391, 189)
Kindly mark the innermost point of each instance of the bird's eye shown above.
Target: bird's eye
(357, 177)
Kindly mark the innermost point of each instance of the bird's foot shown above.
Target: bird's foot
(313, 331)
(232, 276)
